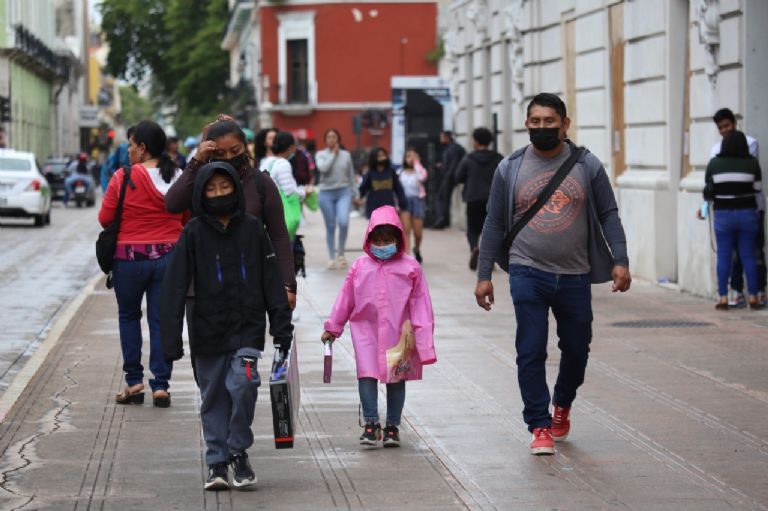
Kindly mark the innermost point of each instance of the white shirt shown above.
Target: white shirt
(754, 149)
(281, 172)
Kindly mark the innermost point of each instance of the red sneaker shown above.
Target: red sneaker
(561, 423)
(542, 443)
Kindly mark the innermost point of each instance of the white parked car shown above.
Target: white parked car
(24, 192)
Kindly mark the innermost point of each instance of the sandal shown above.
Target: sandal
(161, 398)
(131, 395)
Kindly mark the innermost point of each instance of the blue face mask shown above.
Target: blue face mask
(385, 252)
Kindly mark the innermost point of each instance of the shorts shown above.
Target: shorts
(416, 206)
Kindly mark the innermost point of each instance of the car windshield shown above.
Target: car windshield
(55, 167)
(19, 164)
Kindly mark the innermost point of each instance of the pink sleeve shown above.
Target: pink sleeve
(421, 171)
(423, 319)
(342, 309)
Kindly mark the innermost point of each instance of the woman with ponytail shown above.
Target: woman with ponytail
(145, 240)
(224, 140)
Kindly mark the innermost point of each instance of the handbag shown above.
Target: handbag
(106, 244)
(541, 200)
(400, 357)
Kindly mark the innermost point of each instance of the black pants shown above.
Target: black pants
(476, 211)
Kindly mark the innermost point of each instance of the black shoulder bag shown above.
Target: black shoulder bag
(542, 199)
(106, 244)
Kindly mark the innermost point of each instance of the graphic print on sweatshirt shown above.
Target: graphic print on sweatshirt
(562, 208)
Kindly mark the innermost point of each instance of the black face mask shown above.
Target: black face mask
(238, 162)
(544, 139)
(384, 164)
(223, 205)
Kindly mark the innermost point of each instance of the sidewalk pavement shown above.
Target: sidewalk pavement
(674, 413)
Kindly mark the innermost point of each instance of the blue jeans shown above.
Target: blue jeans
(335, 205)
(737, 269)
(736, 228)
(133, 279)
(534, 292)
(369, 397)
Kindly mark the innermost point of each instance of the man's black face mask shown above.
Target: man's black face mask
(544, 139)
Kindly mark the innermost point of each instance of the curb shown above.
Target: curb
(36, 360)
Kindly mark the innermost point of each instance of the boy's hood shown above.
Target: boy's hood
(204, 173)
(385, 215)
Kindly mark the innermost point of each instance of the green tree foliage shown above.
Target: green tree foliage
(178, 43)
(134, 107)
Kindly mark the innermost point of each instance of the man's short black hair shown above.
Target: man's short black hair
(550, 100)
(724, 114)
(482, 136)
(447, 133)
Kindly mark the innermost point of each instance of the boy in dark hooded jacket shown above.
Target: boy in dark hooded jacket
(226, 255)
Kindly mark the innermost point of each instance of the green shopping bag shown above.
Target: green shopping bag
(311, 201)
(292, 211)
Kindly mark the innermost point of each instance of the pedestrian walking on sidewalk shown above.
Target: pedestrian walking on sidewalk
(413, 175)
(381, 185)
(227, 254)
(145, 240)
(444, 180)
(336, 189)
(733, 179)
(574, 240)
(223, 140)
(386, 300)
(262, 146)
(475, 172)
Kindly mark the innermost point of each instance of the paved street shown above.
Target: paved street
(40, 269)
(672, 417)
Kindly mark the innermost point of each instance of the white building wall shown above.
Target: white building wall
(667, 128)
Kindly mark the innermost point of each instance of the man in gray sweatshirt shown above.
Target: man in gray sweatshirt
(576, 239)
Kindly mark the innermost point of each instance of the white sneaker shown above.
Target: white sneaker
(736, 299)
(342, 261)
(331, 265)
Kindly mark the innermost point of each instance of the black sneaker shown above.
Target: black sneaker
(371, 434)
(417, 255)
(391, 436)
(217, 477)
(242, 473)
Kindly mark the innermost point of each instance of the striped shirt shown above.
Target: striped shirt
(732, 183)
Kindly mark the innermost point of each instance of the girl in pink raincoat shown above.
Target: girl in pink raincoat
(386, 300)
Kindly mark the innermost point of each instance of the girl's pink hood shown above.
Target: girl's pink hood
(385, 215)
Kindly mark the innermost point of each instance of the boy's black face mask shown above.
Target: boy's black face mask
(223, 205)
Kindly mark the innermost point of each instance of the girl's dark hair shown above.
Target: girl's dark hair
(388, 230)
(226, 127)
(373, 158)
(734, 145)
(283, 140)
(153, 137)
(332, 130)
(405, 160)
(260, 143)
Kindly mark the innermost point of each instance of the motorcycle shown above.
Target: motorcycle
(83, 193)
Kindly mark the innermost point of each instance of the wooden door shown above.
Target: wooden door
(616, 33)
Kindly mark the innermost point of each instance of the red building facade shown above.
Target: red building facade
(324, 63)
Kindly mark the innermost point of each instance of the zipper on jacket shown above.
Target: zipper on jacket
(218, 269)
(242, 266)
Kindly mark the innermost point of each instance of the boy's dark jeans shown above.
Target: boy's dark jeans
(133, 279)
(534, 292)
(476, 212)
(228, 403)
(737, 269)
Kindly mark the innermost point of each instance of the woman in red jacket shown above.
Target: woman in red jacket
(147, 236)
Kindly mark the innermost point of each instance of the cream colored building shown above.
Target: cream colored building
(641, 80)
